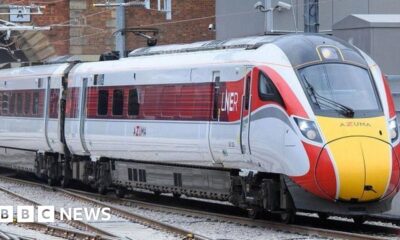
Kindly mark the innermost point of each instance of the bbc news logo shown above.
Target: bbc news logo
(45, 214)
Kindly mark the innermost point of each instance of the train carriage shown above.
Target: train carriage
(269, 123)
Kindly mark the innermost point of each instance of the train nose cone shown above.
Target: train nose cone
(362, 167)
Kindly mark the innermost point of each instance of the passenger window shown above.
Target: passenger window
(27, 106)
(142, 175)
(130, 174)
(102, 103)
(267, 90)
(135, 175)
(133, 102)
(35, 105)
(54, 98)
(20, 99)
(118, 102)
(4, 104)
(12, 103)
(1, 105)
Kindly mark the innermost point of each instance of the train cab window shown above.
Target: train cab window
(133, 102)
(267, 90)
(27, 107)
(20, 99)
(118, 102)
(35, 105)
(102, 103)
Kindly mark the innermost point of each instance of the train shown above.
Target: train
(272, 124)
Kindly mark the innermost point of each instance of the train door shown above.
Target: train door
(82, 114)
(246, 115)
(215, 116)
(46, 111)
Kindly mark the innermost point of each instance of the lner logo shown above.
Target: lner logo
(229, 101)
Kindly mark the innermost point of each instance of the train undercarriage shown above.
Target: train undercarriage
(258, 193)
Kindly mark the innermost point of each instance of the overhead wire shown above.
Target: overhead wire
(186, 20)
(106, 30)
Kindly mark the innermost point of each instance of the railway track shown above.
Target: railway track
(8, 236)
(116, 206)
(87, 231)
(63, 232)
(160, 226)
(294, 228)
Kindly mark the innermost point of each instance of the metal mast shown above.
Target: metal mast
(26, 10)
(120, 20)
(311, 16)
(120, 36)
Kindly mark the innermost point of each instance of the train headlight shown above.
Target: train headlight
(394, 129)
(329, 53)
(308, 129)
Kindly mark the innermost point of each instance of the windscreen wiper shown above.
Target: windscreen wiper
(326, 102)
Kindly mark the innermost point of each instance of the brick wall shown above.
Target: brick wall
(92, 28)
(55, 13)
(190, 20)
(81, 29)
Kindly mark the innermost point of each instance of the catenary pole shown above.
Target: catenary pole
(120, 20)
(311, 16)
(120, 36)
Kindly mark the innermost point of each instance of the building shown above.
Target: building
(236, 19)
(79, 28)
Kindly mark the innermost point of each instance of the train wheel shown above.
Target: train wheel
(102, 190)
(323, 216)
(359, 220)
(287, 216)
(120, 192)
(157, 193)
(51, 182)
(64, 182)
(289, 212)
(254, 212)
(176, 195)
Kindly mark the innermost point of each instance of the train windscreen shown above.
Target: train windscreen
(341, 88)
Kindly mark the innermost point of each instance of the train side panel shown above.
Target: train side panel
(163, 115)
(30, 108)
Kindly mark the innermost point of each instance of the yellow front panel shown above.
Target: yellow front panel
(334, 128)
(350, 164)
(360, 157)
(378, 167)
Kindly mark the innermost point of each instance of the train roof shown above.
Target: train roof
(246, 43)
(299, 48)
(39, 70)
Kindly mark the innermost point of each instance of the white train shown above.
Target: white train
(269, 123)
